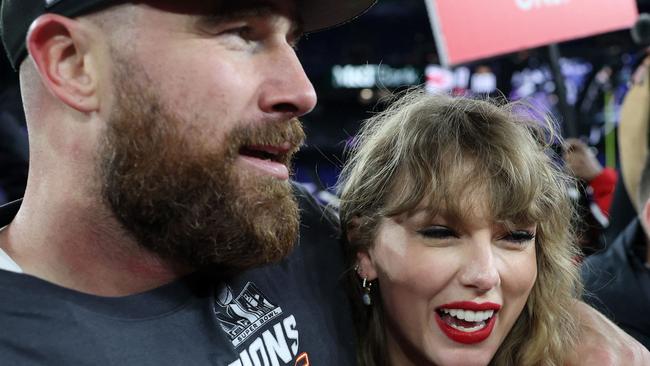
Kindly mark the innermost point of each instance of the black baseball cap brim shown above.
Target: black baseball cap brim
(16, 16)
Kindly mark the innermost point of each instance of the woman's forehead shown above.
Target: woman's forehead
(468, 203)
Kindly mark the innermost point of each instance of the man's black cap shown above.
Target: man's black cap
(16, 16)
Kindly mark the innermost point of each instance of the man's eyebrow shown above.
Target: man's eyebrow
(254, 10)
(226, 13)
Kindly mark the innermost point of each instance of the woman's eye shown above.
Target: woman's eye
(519, 236)
(437, 232)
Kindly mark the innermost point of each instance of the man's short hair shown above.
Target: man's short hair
(16, 16)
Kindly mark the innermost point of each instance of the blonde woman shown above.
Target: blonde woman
(458, 223)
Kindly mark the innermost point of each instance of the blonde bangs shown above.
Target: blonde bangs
(480, 155)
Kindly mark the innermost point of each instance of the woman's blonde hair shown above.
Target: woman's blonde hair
(434, 150)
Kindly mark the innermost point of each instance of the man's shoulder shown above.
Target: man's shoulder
(27, 313)
(43, 323)
(19, 290)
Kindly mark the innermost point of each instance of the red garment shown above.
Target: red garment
(603, 189)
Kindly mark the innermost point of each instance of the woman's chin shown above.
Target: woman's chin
(463, 358)
(457, 354)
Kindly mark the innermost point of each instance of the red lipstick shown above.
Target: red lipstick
(464, 337)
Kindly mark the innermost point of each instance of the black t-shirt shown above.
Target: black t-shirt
(291, 313)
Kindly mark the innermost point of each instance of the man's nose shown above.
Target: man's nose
(479, 270)
(286, 89)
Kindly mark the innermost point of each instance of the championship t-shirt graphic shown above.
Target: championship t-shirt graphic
(258, 329)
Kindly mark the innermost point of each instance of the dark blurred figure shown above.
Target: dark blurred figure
(14, 154)
(617, 281)
(633, 136)
(595, 190)
(622, 212)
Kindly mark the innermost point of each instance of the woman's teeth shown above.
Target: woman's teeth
(469, 315)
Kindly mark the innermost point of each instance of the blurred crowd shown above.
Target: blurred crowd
(14, 155)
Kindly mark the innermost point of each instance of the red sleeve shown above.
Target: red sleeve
(603, 189)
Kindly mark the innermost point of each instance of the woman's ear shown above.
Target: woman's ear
(366, 266)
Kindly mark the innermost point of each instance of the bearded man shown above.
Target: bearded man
(158, 224)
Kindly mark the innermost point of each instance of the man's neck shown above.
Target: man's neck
(84, 249)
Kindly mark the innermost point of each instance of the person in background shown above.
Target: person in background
(584, 164)
(617, 281)
(594, 193)
(632, 145)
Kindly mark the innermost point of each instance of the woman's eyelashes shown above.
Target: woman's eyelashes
(519, 236)
(437, 232)
(443, 232)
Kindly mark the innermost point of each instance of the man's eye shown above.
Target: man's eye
(245, 32)
(437, 232)
(519, 236)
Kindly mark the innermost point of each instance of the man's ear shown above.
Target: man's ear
(61, 50)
